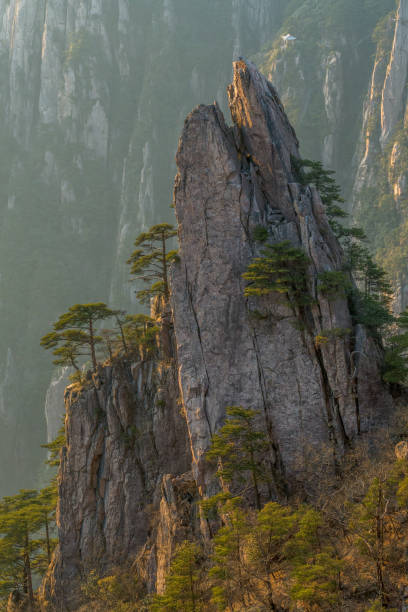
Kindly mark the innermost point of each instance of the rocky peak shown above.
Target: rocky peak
(134, 464)
(231, 180)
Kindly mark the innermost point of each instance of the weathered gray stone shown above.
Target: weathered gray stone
(229, 181)
(121, 441)
(134, 451)
(393, 96)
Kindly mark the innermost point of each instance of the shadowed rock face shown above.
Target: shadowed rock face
(230, 180)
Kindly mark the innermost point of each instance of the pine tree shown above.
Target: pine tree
(310, 172)
(185, 588)
(272, 530)
(75, 330)
(229, 574)
(369, 301)
(54, 448)
(47, 501)
(150, 261)
(370, 522)
(140, 334)
(68, 346)
(282, 268)
(315, 568)
(239, 448)
(20, 519)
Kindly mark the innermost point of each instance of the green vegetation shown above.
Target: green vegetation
(116, 593)
(299, 70)
(25, 541)
(281, 269)
(341, 550)
(151, 261)
(184, 583)
(238, 449)
(396, 355)
(333, 283)
(75, 330)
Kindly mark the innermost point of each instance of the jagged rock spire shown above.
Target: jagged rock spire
(230, 180)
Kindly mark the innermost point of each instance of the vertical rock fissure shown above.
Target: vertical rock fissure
(207, 385)
(276, 463)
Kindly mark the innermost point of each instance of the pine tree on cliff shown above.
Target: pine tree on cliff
(74, 331)
(238, 448)
(282, 268)
(150, 261)
(185, 587)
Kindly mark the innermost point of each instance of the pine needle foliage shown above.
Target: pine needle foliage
(310, 172)
(184, 583)
(369, 299)
(281, 269)
(24, 547)
(239, 449)
(151, 259)
(74, 331)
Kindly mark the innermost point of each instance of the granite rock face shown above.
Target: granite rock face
(251, 352)
(133, 467)
(381, 183)
(125, 437)
(323, 76)
(393, 95)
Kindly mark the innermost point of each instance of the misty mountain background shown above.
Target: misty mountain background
(93, 97)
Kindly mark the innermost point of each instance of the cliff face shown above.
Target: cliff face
(86, 148)
(323, 76)
(117, 494)
(380, 189)
(134, 466)
(253, 352)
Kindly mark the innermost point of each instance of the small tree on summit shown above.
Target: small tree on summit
(75, 330)
(150, 261)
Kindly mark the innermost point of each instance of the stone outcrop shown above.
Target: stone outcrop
(254, 352)
(322, 76)
(54, 403)
(125, 437)
(133, 467)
